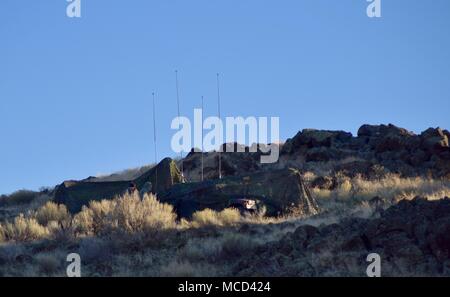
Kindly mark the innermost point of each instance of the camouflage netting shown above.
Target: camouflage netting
(280, 191)
(162, 177)
(76, 194)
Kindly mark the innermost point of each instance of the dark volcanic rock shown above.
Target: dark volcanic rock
(310, 138)
(395, 149)
(378, 131)
(392, 148)
(412, 238)
(388, 138)
(435, 140)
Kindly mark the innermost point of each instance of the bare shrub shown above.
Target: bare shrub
(96, 218)
(128, 214)
(52, 212)
(61, 232)
(134, 215)
(208, 217)
(83, 222)
(24, 229)
(205, 217)
(229, 216)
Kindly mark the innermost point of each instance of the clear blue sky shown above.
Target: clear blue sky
(75, 94)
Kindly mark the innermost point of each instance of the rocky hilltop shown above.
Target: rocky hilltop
(331, 200)
(376, 151)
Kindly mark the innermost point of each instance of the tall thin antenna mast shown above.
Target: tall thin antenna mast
(218, 107)
(202, 139)
(178, 109)
(154, 142)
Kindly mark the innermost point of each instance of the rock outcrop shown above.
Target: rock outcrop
(412, 239)
(395, 149)
(375, 151)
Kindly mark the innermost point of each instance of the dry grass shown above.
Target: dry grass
(351, 196)
(208, 217)
(128, 214)
(232, 217)
(391, 187)
(24, 229)
(113, 236)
